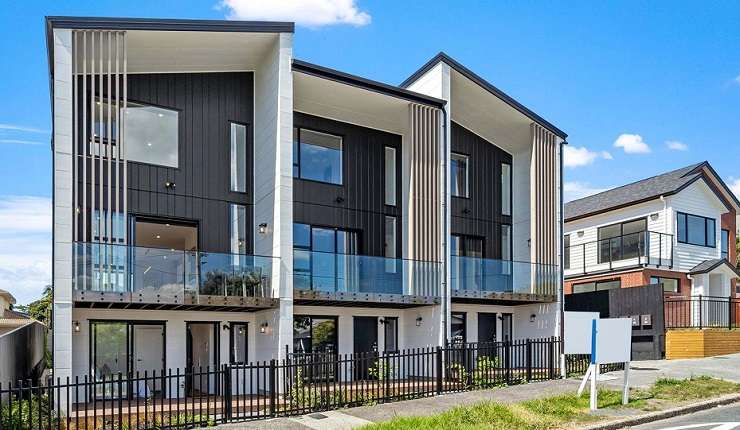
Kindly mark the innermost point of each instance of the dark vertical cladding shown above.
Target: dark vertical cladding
(207, 104)
(359, 203)
(479, 214)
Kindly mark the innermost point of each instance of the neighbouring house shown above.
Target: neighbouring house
(22, 342)
(676, 229)
(217, 201)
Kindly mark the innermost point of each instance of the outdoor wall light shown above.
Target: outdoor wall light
(654, 216)
(419, 319)
(263, 327)
(381, 321)
(225, 327)
(76, 326)
(532, 318)
(580, 233)
(262, 228)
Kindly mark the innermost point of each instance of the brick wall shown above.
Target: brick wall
(728, 223)
(636, 278)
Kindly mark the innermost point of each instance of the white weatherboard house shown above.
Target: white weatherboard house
(218, 201)
(676, 229)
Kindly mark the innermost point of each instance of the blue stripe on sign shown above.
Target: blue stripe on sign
(593, 341)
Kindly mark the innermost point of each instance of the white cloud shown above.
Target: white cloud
(19, 142)
(581, 156)
(735, 186)
(25, 246)
(576, 190)
(631, 144)
(308, 13)
(675, 145)
(737, 79)
(16, 127)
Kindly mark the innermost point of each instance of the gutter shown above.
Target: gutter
(561, 284)
(445, 232)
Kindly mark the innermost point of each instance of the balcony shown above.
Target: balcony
(122, 276)
(362, 280)
(640, 249)
(487, 280)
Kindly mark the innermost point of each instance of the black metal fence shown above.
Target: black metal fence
(300, 384)
(701, 312)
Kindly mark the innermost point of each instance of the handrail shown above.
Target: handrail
(621, 236)
(647, 247)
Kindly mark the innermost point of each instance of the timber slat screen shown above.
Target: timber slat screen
(303, 383)
(702, 312)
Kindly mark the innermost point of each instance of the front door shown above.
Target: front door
(365, 345)
(486, 327)
(201, 343)
(507, 331)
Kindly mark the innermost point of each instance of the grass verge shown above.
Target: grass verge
(564, 411)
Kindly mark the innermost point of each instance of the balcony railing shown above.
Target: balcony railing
(155, 275)
(347, 273)
(649, 248)
(470, 274)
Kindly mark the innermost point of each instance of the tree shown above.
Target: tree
(40, 309)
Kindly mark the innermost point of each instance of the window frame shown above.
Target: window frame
(641, 239)
(386, 195)
(659, 278)
(232, 344)
(511, 189)
(385, 335)
(566, 251)
(724, 250)
(467, 174)
(232, 164)
(234, 208)
(685, 240)
(297, 156)
(311, 319)
(596, 285)
(179, 111)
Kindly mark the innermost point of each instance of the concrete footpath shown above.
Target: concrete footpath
(643, 374)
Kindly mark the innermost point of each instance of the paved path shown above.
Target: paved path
(644, 373)
(720, 418)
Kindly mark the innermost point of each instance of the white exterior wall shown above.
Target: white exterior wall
(273, 194)
(544, 325)
(63, 205)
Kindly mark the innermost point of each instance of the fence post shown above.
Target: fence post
(120, 401)
(272, 387)
(227, 392)
(387, 375)
(529, 359)
(439, 369)
(701, 318)
(553, 356)
(729, 313)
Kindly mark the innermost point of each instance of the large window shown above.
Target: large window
(622, 241)
(459, 175)
(696, 230)
(505, 242)
(587, 287)
(505, 189)
(725, 244)
(391, 242)
(670, 285)
(466, 246)
(238, 228)
(390, 176)
(390, 332)
(238, 157)
(317, 156)
(313, 334)
(319, 257)
(151, 134)
(458, 327)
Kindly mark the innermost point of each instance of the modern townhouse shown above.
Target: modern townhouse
(676, 229)
(218, 201)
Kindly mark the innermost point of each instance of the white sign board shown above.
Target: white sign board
(613, 340)
(578, 332)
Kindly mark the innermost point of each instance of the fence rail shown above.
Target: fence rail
(702, 312)
(300, 384)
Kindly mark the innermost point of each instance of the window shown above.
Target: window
(566, 251)
(390, 331)
(466, 246)
(505, 242)
(505, 189)
(390, 237)
(670, 285)
(317, 156)
(116, 225)
(725, 244)
(151, 134)
(314, 334)
(238, 228)
(320, 259)
(238, 157)
(390, 176)
(696, 230)
(458, 327)
(622, 241)
(238, 342)
(588, 287)
(459, 175)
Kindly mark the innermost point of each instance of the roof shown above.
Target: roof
(9, 297)
(360, 82)
(707, 266)
(159, 24)
(442, 57)
(641, 191)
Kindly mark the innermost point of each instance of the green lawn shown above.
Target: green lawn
(560, 411)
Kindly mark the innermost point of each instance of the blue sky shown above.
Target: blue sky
(654, 73)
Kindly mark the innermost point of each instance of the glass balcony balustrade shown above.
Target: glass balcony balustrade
(169, 274)
(472, 274)
(348, 273)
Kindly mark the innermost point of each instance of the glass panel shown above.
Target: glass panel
(455, 248)
(323, 239)
(110, 356)
(390, 237)
(391, 334)
(459, 175)
(295, 153)
(323, 335)
(505, 189)
(302, 235)
(239, 343)
(117, 226)
(584, 288)
(634, 226)
(238, 157)
(505, 242)
(608, 285)
(711, 233)
(610, 231)
(320, 157)
(151, 134)
(725, 243)
(390, 176)
(697, 231)
(301, 334)
(238, 224)
(566, 251)
(681, 221)
(457, 327)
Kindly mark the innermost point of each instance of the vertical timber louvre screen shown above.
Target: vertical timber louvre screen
(99, 166)
(425, 208)
(544, 210)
